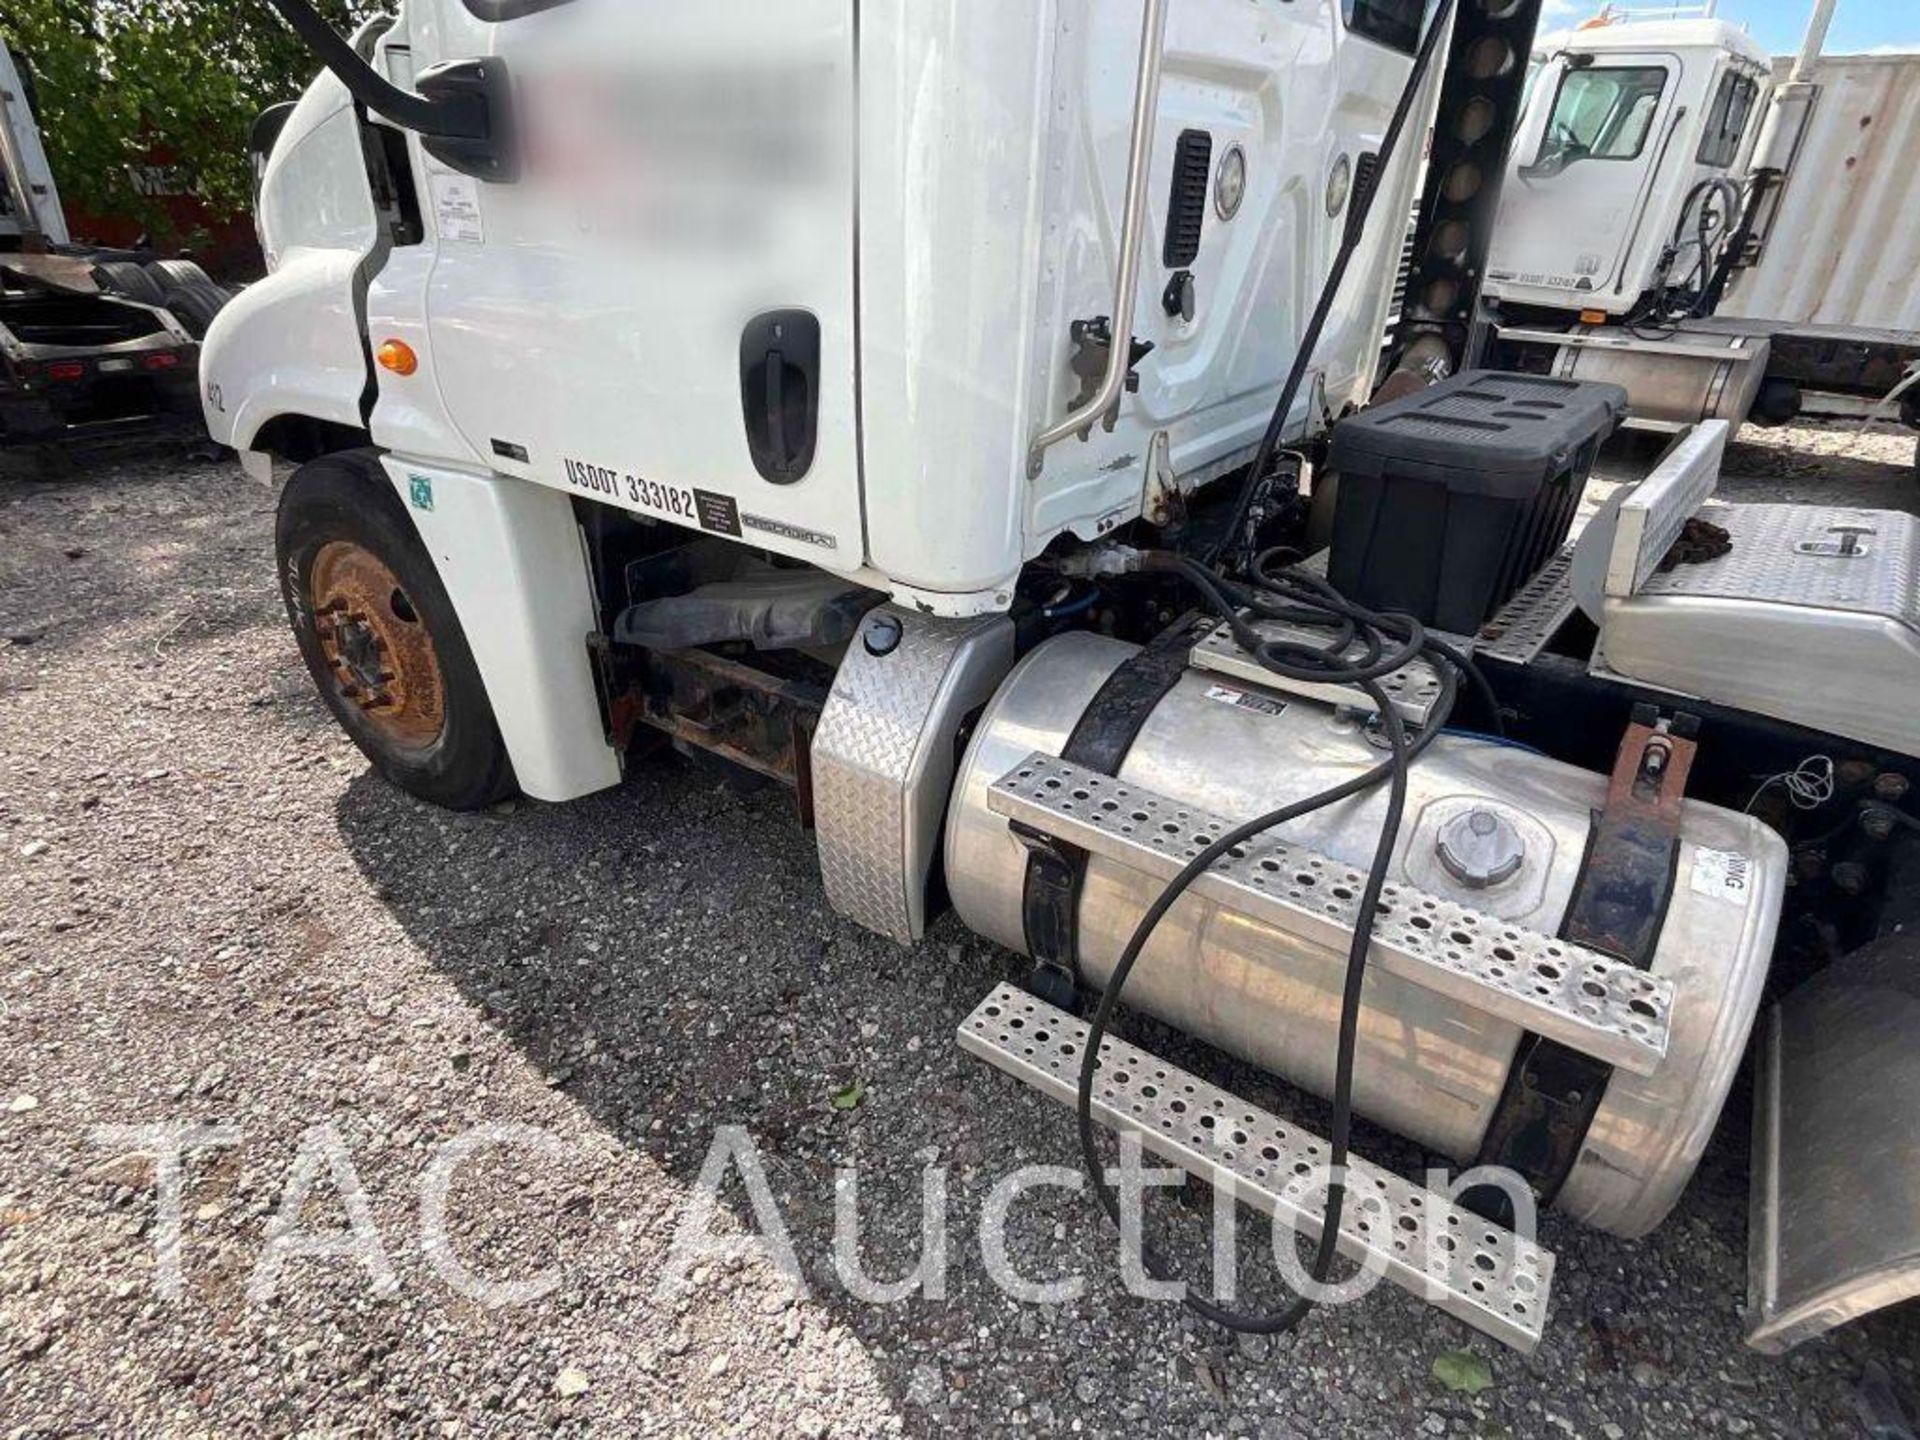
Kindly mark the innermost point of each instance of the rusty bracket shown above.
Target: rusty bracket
(758, 720)
(1618, 907)
(1621, 899)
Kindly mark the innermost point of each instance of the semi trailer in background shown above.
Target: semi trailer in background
(92, 342)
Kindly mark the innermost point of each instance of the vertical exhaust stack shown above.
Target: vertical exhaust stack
(19, 176)
(1815, 41)
(1480, 107)
(1793, 101)
(1775, 152)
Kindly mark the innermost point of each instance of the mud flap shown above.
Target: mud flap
(1835, 1226)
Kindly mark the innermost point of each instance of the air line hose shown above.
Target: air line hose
(1386, 643)
(1233, 537)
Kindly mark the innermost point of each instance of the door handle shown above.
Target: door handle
(780, 393)
(776, 372)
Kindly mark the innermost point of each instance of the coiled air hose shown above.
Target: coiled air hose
(1386, 644)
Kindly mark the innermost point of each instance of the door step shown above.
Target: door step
(1588, 1002)
(1479, 1273)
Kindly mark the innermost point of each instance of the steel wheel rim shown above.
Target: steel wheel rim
(376, 646)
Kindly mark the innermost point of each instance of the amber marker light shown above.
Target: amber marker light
(397, 356)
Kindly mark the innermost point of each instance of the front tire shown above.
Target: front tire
(380, 637)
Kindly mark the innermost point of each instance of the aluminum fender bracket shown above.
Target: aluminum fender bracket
(1835, 1229)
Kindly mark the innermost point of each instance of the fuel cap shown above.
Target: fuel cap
(1480, 849)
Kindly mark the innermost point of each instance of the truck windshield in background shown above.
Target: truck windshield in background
(1602, 113)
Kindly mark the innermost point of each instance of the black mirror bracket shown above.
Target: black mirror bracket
(461, 110)
(479, 87)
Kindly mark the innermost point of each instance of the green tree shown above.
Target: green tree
(121, 83)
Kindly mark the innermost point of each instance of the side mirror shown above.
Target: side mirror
(461, 110)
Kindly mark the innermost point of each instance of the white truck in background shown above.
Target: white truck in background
(1724, 234)
(912, 403)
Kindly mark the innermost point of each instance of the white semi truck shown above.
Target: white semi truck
(916, 404)
(1723, 234)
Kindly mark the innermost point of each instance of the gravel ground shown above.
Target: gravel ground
(1828, 463)
(211, 912)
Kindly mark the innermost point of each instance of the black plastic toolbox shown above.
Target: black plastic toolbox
(1451, 499)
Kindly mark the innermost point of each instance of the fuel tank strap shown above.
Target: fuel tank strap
(1105, 732)
(1619, 907)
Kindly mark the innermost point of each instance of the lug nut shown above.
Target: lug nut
(1850, 878)
(1891, 787)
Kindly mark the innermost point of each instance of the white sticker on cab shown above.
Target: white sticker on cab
(456, 209)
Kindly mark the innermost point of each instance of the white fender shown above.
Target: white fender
(511, 558)
(292, 344)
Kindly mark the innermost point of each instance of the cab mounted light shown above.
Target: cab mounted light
(461, 109)
(397, 356)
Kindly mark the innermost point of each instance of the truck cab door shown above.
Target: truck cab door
(657, 311)
(1588, 159)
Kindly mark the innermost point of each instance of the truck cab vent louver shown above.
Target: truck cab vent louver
(1187, 205)
(1366, 174)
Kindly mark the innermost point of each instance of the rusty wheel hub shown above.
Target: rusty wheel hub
(374, 642)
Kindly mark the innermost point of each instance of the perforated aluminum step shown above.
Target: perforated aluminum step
(1587, 1001)
(1477, 1272)
(1527, 623)
(1413, 688)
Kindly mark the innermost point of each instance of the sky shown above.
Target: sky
(1859, 25)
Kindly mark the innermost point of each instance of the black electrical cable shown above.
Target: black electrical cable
(1386, 643)
(1356, 227)
(1705, 263)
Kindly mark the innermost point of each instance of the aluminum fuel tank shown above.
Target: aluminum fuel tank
(1428, 1066)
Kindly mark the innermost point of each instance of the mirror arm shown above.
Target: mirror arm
(455, 117)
